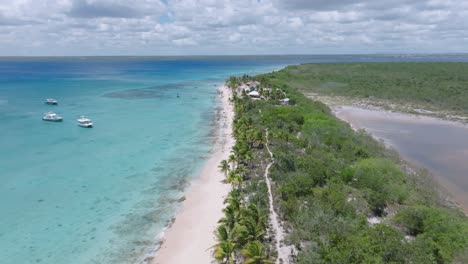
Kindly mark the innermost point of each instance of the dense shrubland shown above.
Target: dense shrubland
(434, 85)
(329, 181)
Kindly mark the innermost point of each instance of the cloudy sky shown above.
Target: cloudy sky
(187, 27)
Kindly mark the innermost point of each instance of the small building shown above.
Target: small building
(253, 84)
(244, 87)
(284, 101)
(254, 94)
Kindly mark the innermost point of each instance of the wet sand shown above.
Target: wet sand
(438, 145)
(190, 238)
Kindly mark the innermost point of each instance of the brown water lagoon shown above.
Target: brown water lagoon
(437, 145)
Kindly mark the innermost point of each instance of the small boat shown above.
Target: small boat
(51, 101)
(53, 117)
(178, 95)
(84, 122)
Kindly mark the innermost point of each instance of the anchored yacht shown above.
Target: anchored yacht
(53, 117)
(84, 122)
(51, 101)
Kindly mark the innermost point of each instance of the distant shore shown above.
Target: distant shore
(190, 238)
(336, 101)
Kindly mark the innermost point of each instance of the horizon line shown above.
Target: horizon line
(231, 55)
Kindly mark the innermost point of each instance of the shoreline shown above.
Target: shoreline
(453, 194)
(189, 238)
(386, 106)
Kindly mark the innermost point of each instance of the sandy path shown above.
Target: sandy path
(190, 238)
(283, 251)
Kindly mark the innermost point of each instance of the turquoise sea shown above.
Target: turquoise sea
(103, 195)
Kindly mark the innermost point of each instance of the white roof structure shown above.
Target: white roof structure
(284, 101)
(254, 94)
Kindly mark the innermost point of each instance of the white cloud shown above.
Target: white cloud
(158, 27)
(184, 42)
(236, 37)
(295, 22)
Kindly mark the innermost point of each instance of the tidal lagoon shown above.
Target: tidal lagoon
(437, 145)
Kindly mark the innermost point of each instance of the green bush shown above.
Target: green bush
(381, 180)
(445, 232)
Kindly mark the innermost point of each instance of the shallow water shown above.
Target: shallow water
(102, 195)
(437, 145)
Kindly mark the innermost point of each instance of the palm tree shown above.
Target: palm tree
(248, 157)
(237, 150)
(231, 216)
(249, 230)
(238, 180)
(232, 159)
(234, 198)
(251, 226)
(224, 167)
(222, 233)
(250, 136)
(259, 139)
(232, 82)
(254, 253)
(224, 250)
(253, 212)
(241, 170)
(230, 178)
(234, 179)
(232, 212)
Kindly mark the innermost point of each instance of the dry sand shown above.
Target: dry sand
(190, 238)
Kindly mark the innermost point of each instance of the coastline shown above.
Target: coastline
(386, 106)
(355, 116)
(190, 237)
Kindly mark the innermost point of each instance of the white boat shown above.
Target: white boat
(51, 101)
(84, 122)
(53, 117)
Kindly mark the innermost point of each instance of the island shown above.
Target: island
(308, 188)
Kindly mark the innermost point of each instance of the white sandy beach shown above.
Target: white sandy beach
(190, 238)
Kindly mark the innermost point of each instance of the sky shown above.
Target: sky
(231, 27)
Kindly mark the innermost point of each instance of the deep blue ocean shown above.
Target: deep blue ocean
(103, 195)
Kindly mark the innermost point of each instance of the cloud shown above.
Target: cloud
(236, 37)
(159, 27)
(12, 21)
(316, 4)
(94, 9)
(184, 42)
(113, 9)
(296, 22)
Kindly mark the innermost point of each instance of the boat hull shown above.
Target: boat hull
(52, 120)
(86, 126)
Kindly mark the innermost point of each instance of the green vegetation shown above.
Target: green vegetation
(241, 234)
(328, 181)
(433, 85)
